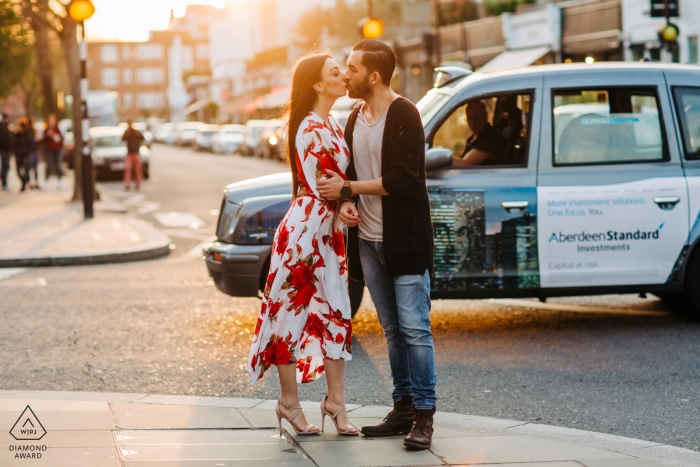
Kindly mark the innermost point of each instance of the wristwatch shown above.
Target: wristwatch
(346, 191)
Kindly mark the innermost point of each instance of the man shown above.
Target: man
(133, 138)
(486, 145)
(391, 236)
(5, 150)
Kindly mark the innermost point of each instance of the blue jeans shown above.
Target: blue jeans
(403, 309)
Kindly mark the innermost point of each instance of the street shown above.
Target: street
(612, 364)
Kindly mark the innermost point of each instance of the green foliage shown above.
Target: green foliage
(458, 11)
(496, 7)
(15, 51)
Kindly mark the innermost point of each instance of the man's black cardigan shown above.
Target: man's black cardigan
(408, 230)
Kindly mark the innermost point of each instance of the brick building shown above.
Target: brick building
(151, 76)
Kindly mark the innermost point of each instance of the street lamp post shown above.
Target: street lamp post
(79, 11)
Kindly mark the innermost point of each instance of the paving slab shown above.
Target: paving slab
(153, 416)
(441, 431)
(66, 420)
(501, 449)
(367, 452)
(181, 437)
(301, 462)
(67, 439)
(620, 463)
(533, 464)
(211, 452)
(201, 401)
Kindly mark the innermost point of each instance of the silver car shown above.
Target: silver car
(591, 186)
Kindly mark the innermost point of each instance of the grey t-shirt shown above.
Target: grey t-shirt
(367, 150)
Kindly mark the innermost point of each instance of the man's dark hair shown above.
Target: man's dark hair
(377, 57)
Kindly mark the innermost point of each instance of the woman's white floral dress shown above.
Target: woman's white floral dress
(305, 313)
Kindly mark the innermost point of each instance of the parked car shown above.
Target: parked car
(165, 133)
(252, 135)
(109, 152)
(596, 190)
(203, 138)
(271, 144)
(185, 132)
(228, 138)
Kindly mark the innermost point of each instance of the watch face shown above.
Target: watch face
(346, 191)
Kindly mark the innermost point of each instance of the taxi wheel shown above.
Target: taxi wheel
(692, 287)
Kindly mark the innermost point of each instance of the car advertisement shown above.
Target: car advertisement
(624, 234)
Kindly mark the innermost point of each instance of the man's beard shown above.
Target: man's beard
(362, 91)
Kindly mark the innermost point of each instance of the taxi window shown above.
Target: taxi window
(616, 125)
(504, 136)
(688, 105)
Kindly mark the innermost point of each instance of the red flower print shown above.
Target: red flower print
(274, 308)
(338, 243)
(282, 239)
(327, 162)
(277, 352)
(270, 280)
(339, 338)
(315, 327)
(307, 211)
(301, 279)
(257, 326)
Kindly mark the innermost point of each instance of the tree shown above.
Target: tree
(54, 15)
(15, 50)
(458, 11)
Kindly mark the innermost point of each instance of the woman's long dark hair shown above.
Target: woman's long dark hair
(307, 72)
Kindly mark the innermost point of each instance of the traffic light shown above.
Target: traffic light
(370, 28)
(668, 34)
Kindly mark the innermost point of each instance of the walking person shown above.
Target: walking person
(304, 325)
(33, 157)
(390, 242)
(53, 143)
(5, 149)
(132, 161)
(23, 147)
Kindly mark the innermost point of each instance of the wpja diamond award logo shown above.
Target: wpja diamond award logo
(27, 428)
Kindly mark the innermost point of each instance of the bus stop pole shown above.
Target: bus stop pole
(86, 158)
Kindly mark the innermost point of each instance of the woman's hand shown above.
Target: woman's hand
(329, 187)
(348, 214)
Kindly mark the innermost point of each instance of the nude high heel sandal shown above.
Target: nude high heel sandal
(305, 431)
(349, 431)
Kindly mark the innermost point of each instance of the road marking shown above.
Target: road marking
(28, 282)
(116, 224)
(577, 308)
(194, 253)
(179, 219)
(186, 234)
(9, 272)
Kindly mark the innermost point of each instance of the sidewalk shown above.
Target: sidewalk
(42, 228)
(142, 430)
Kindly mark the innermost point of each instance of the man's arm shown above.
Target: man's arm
(473, 157)
(330, 186)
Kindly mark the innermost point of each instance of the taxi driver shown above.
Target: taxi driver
(486, 145)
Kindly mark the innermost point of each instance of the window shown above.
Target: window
(127, 76)
(688, 107)
(127, 100)
(202, 51)
(109, 53)
(110, 77)
(693, 49)
(150, 100)
(187, 58)
(149, 52)
(149, 75)
(126, 52)
(615, 125)
(488, 131)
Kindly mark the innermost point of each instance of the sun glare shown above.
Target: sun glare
(131, 20)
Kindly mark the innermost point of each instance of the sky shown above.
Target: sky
(131, 20)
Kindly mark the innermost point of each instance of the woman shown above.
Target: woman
(53, 139)
(24, 145)
(304, 323)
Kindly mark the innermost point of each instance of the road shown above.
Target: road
(611, 364)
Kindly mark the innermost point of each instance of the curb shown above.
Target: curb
(644, 450)
(158, 245)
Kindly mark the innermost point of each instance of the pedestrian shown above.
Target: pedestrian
(390, 240)
(53, 142)
(5, 149)
(304, 325)
(132, 161)
(24, 144)
(34, 156)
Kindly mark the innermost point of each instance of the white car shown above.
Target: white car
(109, 152)
(228, 138)
(186, 132)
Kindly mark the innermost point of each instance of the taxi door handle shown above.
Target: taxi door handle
(517, 205)
(667, 202)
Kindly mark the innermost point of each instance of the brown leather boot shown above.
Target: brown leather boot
(399, 420)
(421, 434)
